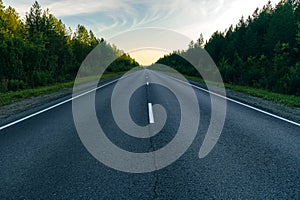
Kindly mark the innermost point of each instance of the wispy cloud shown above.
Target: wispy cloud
(110, 17)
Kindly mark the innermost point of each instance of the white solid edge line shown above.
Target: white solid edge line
(58, 104)
(240, 103)
(150, 111)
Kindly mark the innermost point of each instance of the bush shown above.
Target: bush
(15, 85)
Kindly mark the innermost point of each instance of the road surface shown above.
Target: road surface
(256, 157)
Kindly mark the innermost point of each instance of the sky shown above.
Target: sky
(108, 18)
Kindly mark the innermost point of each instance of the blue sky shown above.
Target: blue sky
(108, 18)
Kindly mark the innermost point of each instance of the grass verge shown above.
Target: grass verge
(14, 96)
(11, 97)
(288, 100)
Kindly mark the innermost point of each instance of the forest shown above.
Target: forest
(261, 51)
(40, 50)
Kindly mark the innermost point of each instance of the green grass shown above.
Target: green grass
(11, 97)
(14, 96)
(289, 100)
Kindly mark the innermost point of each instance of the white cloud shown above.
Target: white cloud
(109, 17)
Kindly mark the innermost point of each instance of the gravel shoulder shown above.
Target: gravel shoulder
(28, 106)
(291, 113)
(25, 107)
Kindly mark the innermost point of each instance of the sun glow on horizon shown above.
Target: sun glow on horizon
(146, 57)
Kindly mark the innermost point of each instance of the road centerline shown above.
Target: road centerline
(150, 112)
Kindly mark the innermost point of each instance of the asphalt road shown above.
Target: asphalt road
(256, 157)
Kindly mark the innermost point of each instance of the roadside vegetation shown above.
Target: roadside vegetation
(258, 56)
(288, 100)
(41, 51)
(14, 96)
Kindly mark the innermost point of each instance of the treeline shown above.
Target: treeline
(41, 50)
(262, 51)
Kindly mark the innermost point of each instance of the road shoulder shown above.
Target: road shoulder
(17, 110)
(25, 107)
(290, 113)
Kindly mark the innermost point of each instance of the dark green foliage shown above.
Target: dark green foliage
(42, 51)
(122, 63)
(178, 63)
(262, 51)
